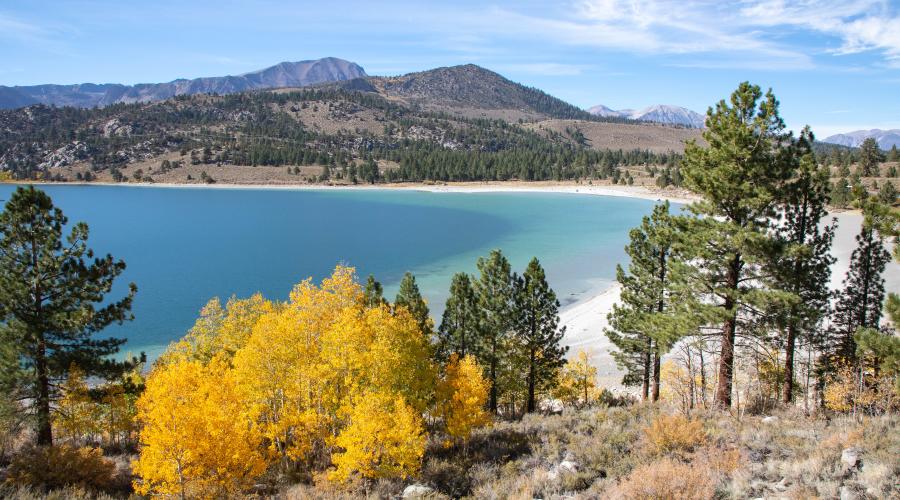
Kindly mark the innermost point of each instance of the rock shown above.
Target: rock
(568, 465)
(417, 491)
(847, 493)
(770, 420)
(850, 458)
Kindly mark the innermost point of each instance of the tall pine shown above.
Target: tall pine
(373, 295)
(803, 266)
(495, 291)
(635, 328)
(409, 297)
(739, 176)
(859, 304)
(537, 331)
(53, 300)
(460, 328)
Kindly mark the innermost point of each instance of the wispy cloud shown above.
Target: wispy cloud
(758, 34)
(48, 38)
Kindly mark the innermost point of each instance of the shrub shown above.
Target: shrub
(667, 478)
(674, 434)
(55, 467)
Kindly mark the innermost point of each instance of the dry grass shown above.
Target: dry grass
(633, 452)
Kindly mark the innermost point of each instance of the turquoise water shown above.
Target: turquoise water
(186, 245)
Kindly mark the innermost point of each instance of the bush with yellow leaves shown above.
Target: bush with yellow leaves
(461, 396)
(55, 467)
(196, 439)
(674, 434)
(577, 382)
(384, 439)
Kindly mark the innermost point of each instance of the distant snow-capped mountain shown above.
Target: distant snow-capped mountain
(659, 113)
(886, 138)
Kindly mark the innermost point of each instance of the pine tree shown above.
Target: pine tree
(840, 193)
(461, 322)
(888, 193)
(645, 290)
(373, 296)
(495, 291)
(739, 175)
(52, 299)
(869, 158)
(537, 330)
(893, 154)
(409, 297)
(803, 267)
(859, 304)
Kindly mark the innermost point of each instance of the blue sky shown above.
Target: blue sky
(833, 64)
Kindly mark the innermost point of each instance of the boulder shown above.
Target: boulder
(850, 458)
(417, 491)
(568, 465)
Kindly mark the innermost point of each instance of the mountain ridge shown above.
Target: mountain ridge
(886, 138)
(88, 95)
(657, 113)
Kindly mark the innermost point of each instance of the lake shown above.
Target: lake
(183, 246)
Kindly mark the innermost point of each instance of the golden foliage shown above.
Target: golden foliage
(293, 381)
(77, 417)
(674, 434)
(849, 389)
(577, 383)
(461, 396)
(55, 467)
(218, 330)
(384, 439)
(196, 439)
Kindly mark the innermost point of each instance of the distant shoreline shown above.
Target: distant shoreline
(638, 192)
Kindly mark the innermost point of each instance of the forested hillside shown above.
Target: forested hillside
(450, 124)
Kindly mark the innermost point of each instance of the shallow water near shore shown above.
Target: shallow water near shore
(186, 245)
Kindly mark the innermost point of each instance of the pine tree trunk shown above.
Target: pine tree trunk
(787, 390)
(492, 403)
(655, 377)
(44, 428)
(531, 402)
(729, 330)
(645, 389)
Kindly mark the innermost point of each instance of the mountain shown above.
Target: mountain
(601, 110)
(88, 95)
(886, 138)
(469, 90)
(659, 113)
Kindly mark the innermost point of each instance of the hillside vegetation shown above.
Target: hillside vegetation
(449, 124)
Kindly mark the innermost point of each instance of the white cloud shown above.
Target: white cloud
(704, 33)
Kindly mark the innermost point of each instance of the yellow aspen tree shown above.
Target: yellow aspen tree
(461, 397)
(196, 440)
(119, 414)
(277, 382)
(77, 416)
(384, 439)
(220, 331)
(577, 383)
